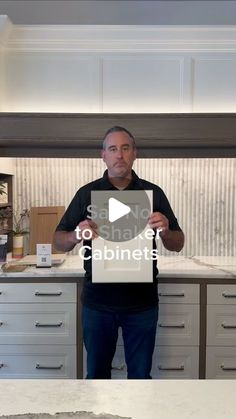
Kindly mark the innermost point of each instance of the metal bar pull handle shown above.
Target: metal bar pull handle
(180, 368)
(120, 368)
(48, 367)
(228, 326)
(1, 365)
(47, 294)
(228, 295)
(227, 368)
(167, 294)
(37, 324)
(175, 326)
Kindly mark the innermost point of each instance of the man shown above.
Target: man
(106, 307)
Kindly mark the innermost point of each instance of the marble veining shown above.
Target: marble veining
(64, 415)
(171, 267)
(137, 399)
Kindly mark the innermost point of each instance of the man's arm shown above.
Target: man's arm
(66, 240)
(173, 240)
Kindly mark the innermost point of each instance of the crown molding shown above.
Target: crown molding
(97, 38)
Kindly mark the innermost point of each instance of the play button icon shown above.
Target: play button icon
(117, 209)
(120, 215)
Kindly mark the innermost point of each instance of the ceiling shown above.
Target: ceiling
(132, 12)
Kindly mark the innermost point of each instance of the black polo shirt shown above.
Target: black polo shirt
(116, 297)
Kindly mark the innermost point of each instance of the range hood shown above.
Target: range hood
(80, 135)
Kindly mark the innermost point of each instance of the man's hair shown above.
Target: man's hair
(117, 129)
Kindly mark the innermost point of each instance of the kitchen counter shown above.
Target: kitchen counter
(136, 399)
(209, 267)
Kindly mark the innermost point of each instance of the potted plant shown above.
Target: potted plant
(19, 230)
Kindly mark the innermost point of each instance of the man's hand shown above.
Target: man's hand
(88, 225)
(173, 240)
(157, 220)
(65, 241)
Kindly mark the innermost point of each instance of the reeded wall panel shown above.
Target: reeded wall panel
(201, 193)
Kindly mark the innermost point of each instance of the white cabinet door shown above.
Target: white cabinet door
(221, 294)
(178, 293)
(38, 293)
(175, 362)
(38, 361)
(221, 362)
(178, 324)
(221, 325)
(38, 324)
(126, 268)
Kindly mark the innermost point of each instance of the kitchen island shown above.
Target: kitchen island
(40, 332)
(135, 399)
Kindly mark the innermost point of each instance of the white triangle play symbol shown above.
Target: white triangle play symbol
(117, 209)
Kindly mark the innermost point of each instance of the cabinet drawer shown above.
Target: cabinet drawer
(37, 324)
(178, 324)
(221, 362)
(178, 293)
(38, 293)
(29, 361)
(168, 362)
(175, 362)
(221, 294)
(221, 325)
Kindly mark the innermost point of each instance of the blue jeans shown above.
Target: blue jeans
(100, 333)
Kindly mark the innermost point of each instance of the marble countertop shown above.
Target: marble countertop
(137, 399)
(171, 267)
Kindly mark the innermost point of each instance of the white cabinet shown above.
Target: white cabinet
(175, 362)
(176, 353)
(221, 331)
(38, 330)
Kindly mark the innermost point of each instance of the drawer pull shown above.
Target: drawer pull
(47, 294)
(228, 326)
(37, 324)
(227, 368)
(166, 294)
(176, 326)
(228, 295)
(122, 367)
(2, 365)
(45, 367)
(180, 368)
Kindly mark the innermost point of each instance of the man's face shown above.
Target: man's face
(119, 154)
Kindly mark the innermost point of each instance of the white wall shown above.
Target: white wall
(120, 69)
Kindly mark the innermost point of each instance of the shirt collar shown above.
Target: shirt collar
(135, 182)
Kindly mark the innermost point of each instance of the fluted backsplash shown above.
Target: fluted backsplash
(201, 193)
